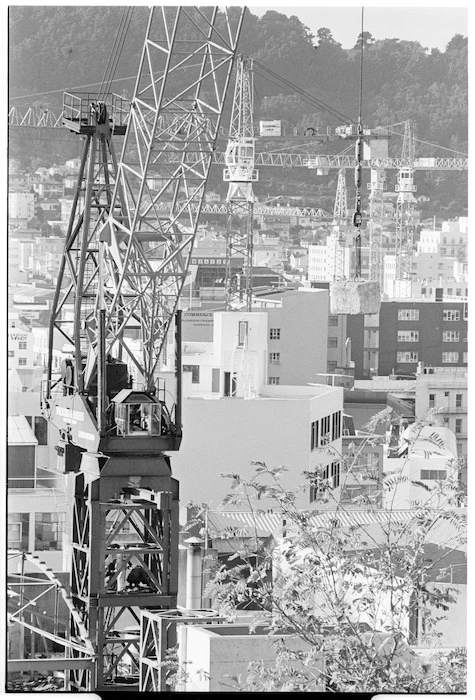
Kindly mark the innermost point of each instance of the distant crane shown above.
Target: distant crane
(376, 186)
(337, 238)
(241, 174)
(405, 205)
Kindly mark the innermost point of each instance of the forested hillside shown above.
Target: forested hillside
(56, 48)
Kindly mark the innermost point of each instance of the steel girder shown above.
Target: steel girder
(173, 125)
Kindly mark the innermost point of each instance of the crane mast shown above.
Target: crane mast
(377, 185)
(339, 228)
(240, 173)
(116, 302)
(405, 213)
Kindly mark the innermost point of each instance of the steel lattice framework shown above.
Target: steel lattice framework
(339, 228)
(240, 173)
(377, 185)
(405, 204)
(173, 125)
(120, 281)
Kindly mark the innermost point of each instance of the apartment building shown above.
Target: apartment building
(406, 332)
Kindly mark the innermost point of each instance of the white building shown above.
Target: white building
(236, 353)
(38, 505)
(428, 458)
(17, 270)
(445, 389)
(20, 346)
(282, 426)
(21, 205)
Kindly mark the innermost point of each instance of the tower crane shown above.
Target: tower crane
(376, 186)
(116, 302)
(405, 204)
(337, 238)
(240, 173)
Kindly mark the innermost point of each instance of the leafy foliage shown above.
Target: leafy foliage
(343, 592)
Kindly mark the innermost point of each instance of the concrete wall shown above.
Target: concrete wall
(303, 320)
(212, 655)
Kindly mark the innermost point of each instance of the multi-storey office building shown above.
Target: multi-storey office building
(406, 332)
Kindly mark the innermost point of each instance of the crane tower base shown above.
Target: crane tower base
(355, 297)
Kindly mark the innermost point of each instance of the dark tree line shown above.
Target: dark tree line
(65, 47)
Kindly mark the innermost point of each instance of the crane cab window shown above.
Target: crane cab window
(136, 414)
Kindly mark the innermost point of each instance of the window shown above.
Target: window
(215, 372)
(195, 372)
(450, 291)
(22, 345)
(458, 400)
(458, 425)
(332, 342)
(274, 380)
(431, 400)
(403, 357)
(336, 425)
(41, 430)
(408, 315)
(18, 527)
(332, 365)
(274, 358)
(274, 334)
(458, 292)
(465, 312)
(465, 358)
(22, 360)
(11, 353)
(450, 337)
(451, 315)
(314, 435)
(353, 491)
(49, 528)
(333, 321)
(447, 394)
(328, 476)
(433, 474)
(407, 336)
(449, 357)
(243, 328)
(325, 430)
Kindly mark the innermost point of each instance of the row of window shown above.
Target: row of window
(21, 360)
(433, 474)
(458, 399)
(49, 529)
(329, 476)
(207, 261)
(448, 314)
(413, 336)
(410, 356)
(325, 430)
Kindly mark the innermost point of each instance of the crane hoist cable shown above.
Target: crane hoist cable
(115, 52)
(311, 98)
(357, 216)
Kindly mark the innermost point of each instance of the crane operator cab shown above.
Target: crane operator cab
(138, 413)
